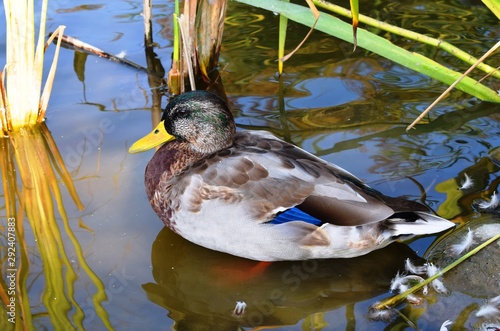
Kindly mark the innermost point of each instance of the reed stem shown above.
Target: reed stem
(402, 296)
(439, 43)
(22, 101)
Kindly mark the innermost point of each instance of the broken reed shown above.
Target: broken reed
(197, 42)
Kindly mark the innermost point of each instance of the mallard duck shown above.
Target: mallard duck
(253, 195)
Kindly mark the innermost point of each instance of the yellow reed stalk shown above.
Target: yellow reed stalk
(22, 102)
(281, 40)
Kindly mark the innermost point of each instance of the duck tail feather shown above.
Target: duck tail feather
(425, 223)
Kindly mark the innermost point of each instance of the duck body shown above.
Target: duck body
(253, 195)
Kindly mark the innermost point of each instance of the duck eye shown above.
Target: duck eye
(182, 112)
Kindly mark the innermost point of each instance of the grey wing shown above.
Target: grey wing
(247, 181)
(266, 175)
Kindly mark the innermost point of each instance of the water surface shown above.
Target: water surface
(348, 108)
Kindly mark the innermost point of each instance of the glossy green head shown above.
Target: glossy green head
(199, 117)
(202, 119)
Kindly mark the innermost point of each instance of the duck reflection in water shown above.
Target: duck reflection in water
(200, 288)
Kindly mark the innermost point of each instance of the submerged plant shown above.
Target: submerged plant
(22, 101)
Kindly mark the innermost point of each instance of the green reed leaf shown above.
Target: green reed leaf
(372, 42)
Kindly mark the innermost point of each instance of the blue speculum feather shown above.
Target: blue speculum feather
(295, 214)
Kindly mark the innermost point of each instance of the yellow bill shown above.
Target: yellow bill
(156, 137)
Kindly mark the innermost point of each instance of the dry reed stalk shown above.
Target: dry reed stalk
(22, 101)
(197, 45)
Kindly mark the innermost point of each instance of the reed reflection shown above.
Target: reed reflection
(33, 173)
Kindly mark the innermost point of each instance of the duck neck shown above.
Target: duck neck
(169, 161)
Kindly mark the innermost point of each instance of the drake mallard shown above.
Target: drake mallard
(253, 195)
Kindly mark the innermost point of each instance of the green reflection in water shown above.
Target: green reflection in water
(355, 123)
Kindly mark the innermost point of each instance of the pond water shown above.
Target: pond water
(119, 268)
